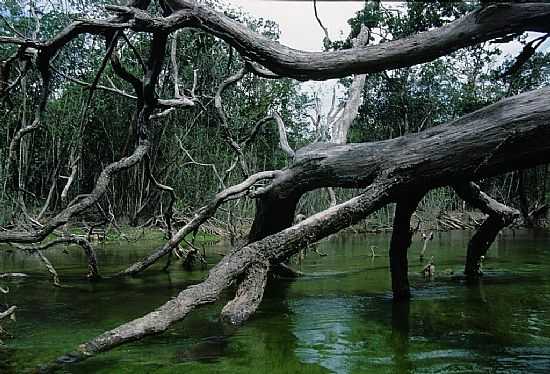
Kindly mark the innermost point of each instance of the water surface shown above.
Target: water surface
(339, 318)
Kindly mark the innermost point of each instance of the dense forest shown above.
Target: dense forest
(184, 118)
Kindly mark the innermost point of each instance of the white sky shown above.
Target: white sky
(300, 30)
(296, 19)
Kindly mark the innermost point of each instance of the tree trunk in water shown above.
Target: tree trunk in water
(273, 214)
(479, 244)
(499, 216)
(399, 245)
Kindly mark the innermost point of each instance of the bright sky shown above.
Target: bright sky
(296, 19)
(300, 30)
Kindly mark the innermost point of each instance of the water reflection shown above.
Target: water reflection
(322, 327)
(400, 328)
(338, 319)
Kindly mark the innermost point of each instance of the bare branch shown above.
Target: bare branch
(8, 312)
(223, 118)
(93, 271)
(283, 141)
(201, 215)
(325, 30)
(170, 210)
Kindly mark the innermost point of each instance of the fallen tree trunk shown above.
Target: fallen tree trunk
(499, 216)
(270, 249)
(508, 135)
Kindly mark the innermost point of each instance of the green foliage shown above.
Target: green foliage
(105, 131)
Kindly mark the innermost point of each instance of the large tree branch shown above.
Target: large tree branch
(490, 22)
(508, 135)
(272, 249)
(499, 216)
(493, 21)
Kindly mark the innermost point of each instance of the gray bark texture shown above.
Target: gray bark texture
(498, 217)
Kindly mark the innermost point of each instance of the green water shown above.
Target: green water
(337, 319)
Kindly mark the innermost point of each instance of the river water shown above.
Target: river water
(339, 318)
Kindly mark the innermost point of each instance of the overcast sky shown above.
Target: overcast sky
(296, 19)
(300, 30)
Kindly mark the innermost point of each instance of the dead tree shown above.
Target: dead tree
(509, 135)
(498, 217)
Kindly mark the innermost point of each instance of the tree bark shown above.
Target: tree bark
(493, 21)
(499, 216)
(270, 249)
(274, 212)
(249, 294)
(508, 135)
(400, 242)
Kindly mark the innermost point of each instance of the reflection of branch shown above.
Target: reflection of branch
(93, 272)
(49, 267)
